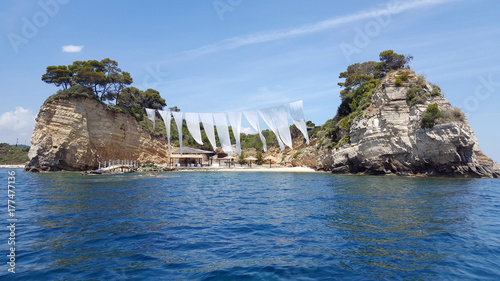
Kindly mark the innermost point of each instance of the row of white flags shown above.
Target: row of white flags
(275, 117)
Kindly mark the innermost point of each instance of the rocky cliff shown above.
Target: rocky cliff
(388, 138)
(78, 133)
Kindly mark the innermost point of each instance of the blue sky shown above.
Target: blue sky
(226, 55)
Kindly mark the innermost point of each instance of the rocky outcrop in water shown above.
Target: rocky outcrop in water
(389, 139)
(76, 134)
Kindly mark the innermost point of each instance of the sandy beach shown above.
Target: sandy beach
(267, 169)
(253, 169)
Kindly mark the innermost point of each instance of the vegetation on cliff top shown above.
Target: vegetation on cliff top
(103, 78)
(361, 79)
(76, 91)
(13, 155)
(102, 81)
(133, 101)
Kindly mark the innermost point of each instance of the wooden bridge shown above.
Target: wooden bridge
(118, 169)
(115, 167)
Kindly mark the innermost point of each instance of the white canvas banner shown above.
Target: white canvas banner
(253, 119)
(297, 113)
(223, 132)
(193, 125)
(269, 116)
(151, 115)
(208, 124)
(178, 122)
(235, 121)
(167, 120)
(282, 123)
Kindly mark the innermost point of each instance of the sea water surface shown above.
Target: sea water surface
(252, 226)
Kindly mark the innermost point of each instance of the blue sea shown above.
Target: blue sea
(251, 226)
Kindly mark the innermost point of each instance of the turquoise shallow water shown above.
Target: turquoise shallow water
(252, 226)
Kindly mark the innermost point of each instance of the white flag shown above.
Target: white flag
(151, 116)
(166, 119)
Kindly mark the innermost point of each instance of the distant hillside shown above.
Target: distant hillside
(12, 155)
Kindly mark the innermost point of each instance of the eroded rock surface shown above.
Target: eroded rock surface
(76, 134)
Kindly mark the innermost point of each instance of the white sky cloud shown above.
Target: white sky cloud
(72, 49)
(390, 8)
(248, 131)
(17, 124)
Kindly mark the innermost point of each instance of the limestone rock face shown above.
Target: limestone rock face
(76, 134)
(389, 139)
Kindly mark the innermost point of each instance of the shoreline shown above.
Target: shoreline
(277, 169)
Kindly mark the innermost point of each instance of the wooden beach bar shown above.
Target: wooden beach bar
(191, 157)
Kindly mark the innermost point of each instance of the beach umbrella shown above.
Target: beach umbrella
(251, 158)
(230, 158)
(270, 160)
